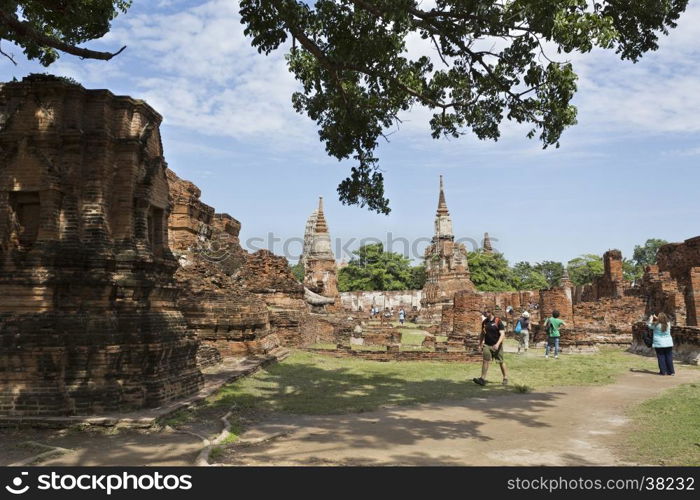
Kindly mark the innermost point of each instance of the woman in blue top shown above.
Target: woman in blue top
(663, 343)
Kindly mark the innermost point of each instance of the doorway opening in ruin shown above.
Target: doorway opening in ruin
(27, 209)
(156, 227)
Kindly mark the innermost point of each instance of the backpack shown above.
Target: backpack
(648, 338)
(518, 327)
(496, 321)
(548, 328)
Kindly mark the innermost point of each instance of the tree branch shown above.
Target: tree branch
(25, 31)
(9, 56)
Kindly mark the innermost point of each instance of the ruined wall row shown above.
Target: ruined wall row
(682, 262)
(224, 314)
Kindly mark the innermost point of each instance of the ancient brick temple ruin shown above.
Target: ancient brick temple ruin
(119, 284)
(673, 287)
(227, 318)
(610, 311)
(320, 268)
(88, 316)
(446, 267)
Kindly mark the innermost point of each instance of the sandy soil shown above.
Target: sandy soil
(564, 426)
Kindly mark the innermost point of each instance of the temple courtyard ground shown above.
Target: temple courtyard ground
(608, 408)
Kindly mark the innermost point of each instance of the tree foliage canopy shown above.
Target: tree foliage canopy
(490, 272)
(552, 271)
(645, 255)
(584, 269)
(491, 62)
(43, 28)
(525, 276)
(375, 269)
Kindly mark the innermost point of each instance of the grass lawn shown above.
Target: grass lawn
(412, 336)
(666, 430)
(311, 383)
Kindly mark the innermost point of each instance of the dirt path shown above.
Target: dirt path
(96, 448)
(566, 426)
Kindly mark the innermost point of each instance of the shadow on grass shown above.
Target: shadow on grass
(305, 388)
(322, 427)
(650, 372)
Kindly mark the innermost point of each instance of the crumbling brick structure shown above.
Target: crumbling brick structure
(686, 343)
(88, 319)
(320, 269)
(446, 266)
(269, 277)
(238, 303)
(218, 296)
(682, 262)
(672, 287)
(610, 285)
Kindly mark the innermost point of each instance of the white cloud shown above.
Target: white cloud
(194, 64)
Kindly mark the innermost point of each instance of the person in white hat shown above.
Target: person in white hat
(524, 339)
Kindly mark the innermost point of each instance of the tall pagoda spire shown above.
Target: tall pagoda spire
(321, 225)
(443, 223)
(321, 238)
(488, 248)
(442, 205)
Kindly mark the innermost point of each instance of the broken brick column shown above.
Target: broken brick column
(467, 316)
(692, 297)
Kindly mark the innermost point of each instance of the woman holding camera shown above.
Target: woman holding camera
(663, 343)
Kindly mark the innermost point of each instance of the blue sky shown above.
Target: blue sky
(628, 171)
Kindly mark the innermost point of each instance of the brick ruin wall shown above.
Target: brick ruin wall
(682, 263)
(224, 315)
(672, 286)
(88, 320)
(609, 320)
(237, 303)
(686, 343)
(408, 299)
(269, 277)
(118, 282)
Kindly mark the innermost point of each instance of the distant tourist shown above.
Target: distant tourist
(386, 316)
(402, 315)
(551, 327)
(663, 343)
(524, 333)
(493, 333)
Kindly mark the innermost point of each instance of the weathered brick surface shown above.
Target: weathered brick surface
(269, 277)
(558, 298)
(686, 342)
(662, 294)
(446, 266)
(218, 307)
(682, 262)
(398, 355)
(610, 320)
(320, 269)
(447, 320)
(88, 320)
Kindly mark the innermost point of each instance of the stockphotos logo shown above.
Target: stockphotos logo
(17, 487)
(107, 483)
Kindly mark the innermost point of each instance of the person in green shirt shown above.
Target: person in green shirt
(552, 326)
